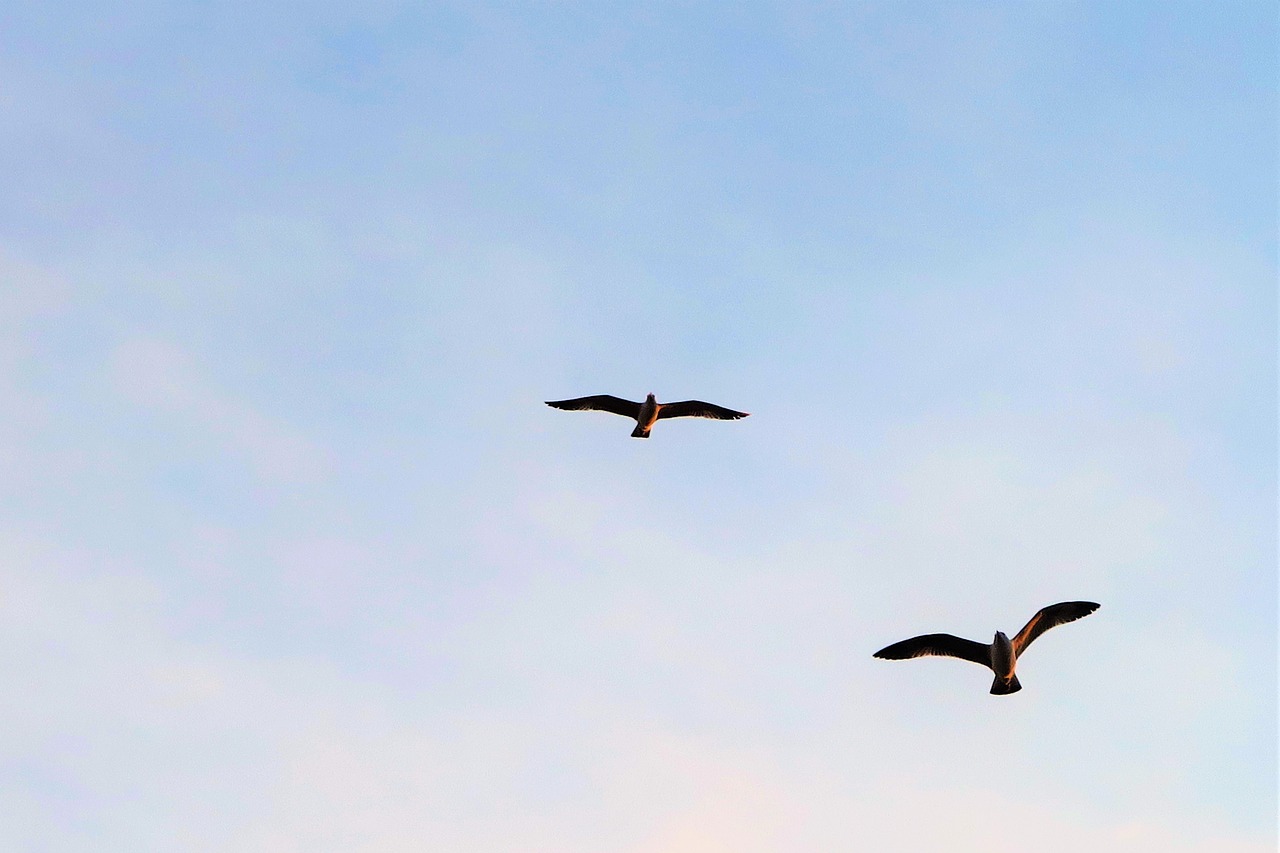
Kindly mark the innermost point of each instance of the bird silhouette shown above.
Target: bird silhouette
(649, 412)
(1002, 654)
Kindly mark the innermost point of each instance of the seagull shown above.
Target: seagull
(1002, 654)
(648, 412)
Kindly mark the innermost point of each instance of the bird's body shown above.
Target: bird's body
(1004, 661)
(646, 417)
(1001, 655)
(649, 412)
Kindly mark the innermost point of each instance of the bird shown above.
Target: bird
(1002, 654)
(649, 412)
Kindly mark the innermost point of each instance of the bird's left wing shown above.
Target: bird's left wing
(600, 402)
(945, 645)
(1050, 617)
(698, 409)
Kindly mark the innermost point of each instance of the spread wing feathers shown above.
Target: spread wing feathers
(1050, 617)
(600, 402)
(698, 409)
(944, 645)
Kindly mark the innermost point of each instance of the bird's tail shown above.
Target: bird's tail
(640, 432)
(1000, 687)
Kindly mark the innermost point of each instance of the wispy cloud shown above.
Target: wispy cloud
(191, 746)
(162, 377)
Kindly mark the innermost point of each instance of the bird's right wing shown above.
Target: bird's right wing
(698, 409)
(600, 402)
(1051, 617)
(944, 645)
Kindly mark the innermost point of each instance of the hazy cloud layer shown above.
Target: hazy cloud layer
(293, 557)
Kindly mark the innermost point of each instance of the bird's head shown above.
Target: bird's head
(650, 398)
(1001, 639)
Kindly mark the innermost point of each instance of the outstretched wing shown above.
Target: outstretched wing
(1049, 617)
(944, 645)
(698, 409)
(600, 402)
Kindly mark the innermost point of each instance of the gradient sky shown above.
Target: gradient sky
(293, 558)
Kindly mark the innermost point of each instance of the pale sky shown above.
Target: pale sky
(294, 558)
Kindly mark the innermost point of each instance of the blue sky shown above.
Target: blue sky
(292, 556)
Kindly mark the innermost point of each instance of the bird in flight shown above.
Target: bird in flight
(1002, 654)
(649, 412)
